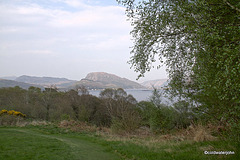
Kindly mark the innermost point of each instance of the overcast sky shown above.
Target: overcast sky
(66, 38)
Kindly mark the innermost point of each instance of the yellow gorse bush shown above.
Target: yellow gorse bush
(12, 112)
(3, 111)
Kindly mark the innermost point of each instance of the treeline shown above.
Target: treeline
(113, 108)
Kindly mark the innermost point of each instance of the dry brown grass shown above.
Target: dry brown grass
(38, 123)
(198, 133)
(194, 133)
(143, 136)
(12, 120)
(82, 127)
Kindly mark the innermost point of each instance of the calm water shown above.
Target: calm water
(139, 95)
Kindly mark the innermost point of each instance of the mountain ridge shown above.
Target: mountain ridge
(4, 83)
(45, 81)
(157, 83)
(101, 80)
(93, 80)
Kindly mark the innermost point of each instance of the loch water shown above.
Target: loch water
(139, 95)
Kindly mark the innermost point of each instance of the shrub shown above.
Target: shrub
(159, 118)
(11, 117)
(126, 124)
(65, 117)
(184, 114)
(12, 112)
(162, 119)
(200, 133)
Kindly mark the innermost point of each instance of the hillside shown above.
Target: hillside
(11, 83)
(158, 83)
(101, 80)
(9, 77)
(94, 80)
(46, 81)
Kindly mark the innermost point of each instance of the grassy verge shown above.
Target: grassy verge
(51, 142)
(176, 150)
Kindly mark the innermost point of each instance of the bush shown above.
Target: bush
(126, 124)
(162, 119)
(12, 112)
(7, 120)
(11, 117)
(184, 114)
(65, 117)
(234, 133)
(159, 118)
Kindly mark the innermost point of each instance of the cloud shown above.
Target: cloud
(39, 52)
(75, 3)
(104, 18)
(75, 36)
(90, 23)
(88, 32)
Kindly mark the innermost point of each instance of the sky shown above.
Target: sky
(66, 38)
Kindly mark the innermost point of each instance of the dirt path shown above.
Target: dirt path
(81, 149)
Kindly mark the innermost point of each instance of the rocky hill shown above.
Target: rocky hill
(101, 80)
(158, 83)
(95, 80)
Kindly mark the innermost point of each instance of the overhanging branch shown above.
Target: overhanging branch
(235, 8)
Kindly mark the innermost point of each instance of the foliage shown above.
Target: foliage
(184, 114)
(74, 101)
(53, 105)
(12, 112)
(156, 98)
(48, 104)
(160, 117)
(199, 42)
(121, 108)
(11, 117)
(145, 110)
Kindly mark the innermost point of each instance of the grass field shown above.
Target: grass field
(52, 143)
(22, 143)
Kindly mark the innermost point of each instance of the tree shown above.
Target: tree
(200, 43)
(48, 96)
(108, 96)
(13, 98)
(117, 101)
(156, 98)
(184, 115)
(121, 107)
(82, 89)
(36, 108)
(74, 102)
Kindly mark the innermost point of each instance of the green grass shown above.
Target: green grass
(25, 143)
(50, 142)
(177, 151)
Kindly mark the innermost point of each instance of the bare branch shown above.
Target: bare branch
(235, 8)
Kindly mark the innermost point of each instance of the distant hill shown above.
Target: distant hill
(46, 81)
(9, 78)
(158, 83)
(94, 80)
(101, 80)
(10, 83)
